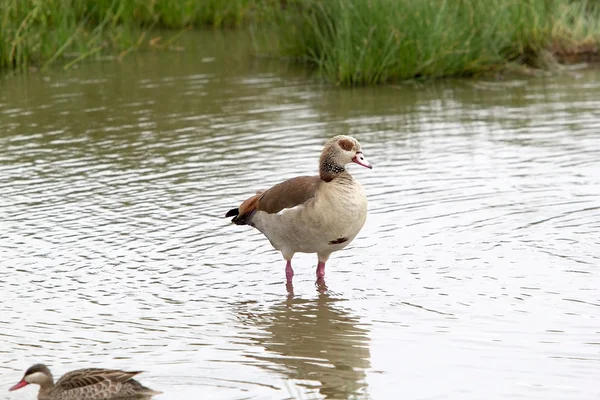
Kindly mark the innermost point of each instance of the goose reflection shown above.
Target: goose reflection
(317, 344)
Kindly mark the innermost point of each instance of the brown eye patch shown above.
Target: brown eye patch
(346, 144)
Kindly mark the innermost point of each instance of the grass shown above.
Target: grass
(350, 42)
(39, 32)
(375, 41)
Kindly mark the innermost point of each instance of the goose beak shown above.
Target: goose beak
(360, 159)
(19, 385)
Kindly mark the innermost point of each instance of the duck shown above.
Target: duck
(89, 384)
(311, 214)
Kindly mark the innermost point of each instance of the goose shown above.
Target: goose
(311, 214)
(89, 384)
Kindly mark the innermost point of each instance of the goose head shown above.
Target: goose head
(338, 152)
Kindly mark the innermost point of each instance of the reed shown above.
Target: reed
(39, 32)
(373, 41)
(350, 42)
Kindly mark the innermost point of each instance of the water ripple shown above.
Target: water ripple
(478, 256)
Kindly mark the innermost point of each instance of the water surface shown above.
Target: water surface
(476, 274)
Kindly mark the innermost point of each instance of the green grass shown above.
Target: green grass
(374, 41)
(39, 32)
(350, 42)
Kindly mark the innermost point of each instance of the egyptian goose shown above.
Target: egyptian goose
(89, 384)
(311, 214)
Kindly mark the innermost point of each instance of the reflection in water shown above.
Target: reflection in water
(317, 344)
(484, 206)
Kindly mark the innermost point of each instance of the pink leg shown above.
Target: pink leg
(321, 269)
(289, 272)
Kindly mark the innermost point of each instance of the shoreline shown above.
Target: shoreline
(366, 42)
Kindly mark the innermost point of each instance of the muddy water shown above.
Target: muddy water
(476, 274)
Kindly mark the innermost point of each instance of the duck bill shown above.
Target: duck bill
(19, 385)
(360, 159)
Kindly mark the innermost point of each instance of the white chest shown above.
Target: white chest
(341, 210)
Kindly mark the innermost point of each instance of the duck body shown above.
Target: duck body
(89, 384)
(311, 214)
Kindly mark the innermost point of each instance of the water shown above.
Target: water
(475, 276)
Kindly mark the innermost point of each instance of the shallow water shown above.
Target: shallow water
(476, 274)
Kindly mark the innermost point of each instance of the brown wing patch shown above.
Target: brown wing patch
(249, 205)
(288, 194)
(346, 144)
(92, 376)
(80, 379)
